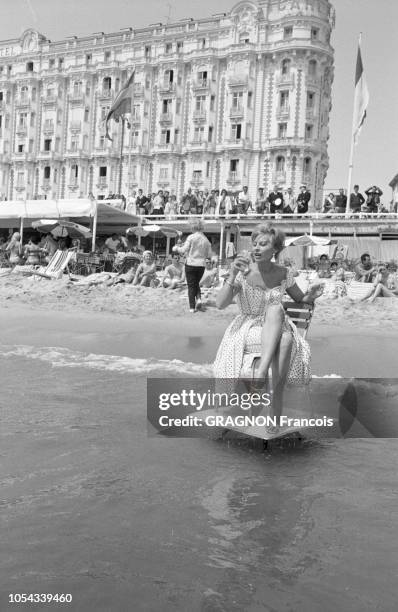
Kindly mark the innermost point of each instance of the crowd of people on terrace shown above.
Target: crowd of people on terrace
(279, 202)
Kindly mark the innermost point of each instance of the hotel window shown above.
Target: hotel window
(77, 88)
(74, 172)
(86, 114)
(210, 134)
(55, 175)
(51, 63)
(166, 106)
(307, 166)
(310, 100)
(249, 99)
(198, 134)
(202, 77)
(30, 146)
(102, 171)
(57, 144)
(1, 96)
(207, 169)
(178, 106)
(237, 98)
(244, 38)
(309, 131)
(233, 165)
(29, 67)
(168, 48)
(47, 144)
(32, 119)
(61, 63)
(47, 172)
(20, 179)
(312, 68)
(203, 43)
(20, 148)
(101, 144)
(282, 130)
(314, 33)
(165, 137)
(287, 32)
(176, 136)
(197, 175)
(284, 100)
(212, 102)
(285, 68)
(104, 112)
(33, 94)
(163, 173)
(74, 143)
(134, 139)
(280, 164)
(9, 70)
(169, 76)
(1, 121)
(136, 111)
(23, 119)
(180, 46)
(107, 57)
(89, 59)
(200, 103)
(24, 94)
(236, 131)
(107, 83)
(147, 51)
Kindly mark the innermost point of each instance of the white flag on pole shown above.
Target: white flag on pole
(361, 100)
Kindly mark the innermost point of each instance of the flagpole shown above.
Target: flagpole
(130, 142)
(352, 150)
(121, 159)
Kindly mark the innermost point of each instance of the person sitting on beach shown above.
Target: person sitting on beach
(146, 271)
(364, 271)
(32, 252)
(262, 327)
(14, 248)
(210, 278)
(382, 288)
(113, 243)
(49, 245)
(174, 274)
(324, 266)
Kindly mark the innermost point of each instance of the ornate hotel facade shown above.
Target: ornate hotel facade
(237, 99)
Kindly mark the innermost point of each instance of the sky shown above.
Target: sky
(376, 156)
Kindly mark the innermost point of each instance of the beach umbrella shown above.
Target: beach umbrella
(60, 228)
(306, 241)
(171, 232)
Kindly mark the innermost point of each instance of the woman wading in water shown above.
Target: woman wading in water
(262, 334)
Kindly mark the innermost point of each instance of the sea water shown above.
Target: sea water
(93, 507)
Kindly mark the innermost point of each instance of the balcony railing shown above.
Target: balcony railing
(238, 81)
(200, 84)
(236, 111)
(286, 79)
(199, 115)
(167, 87)
(165, 146)
(49, 99)
(166, 118)
(310, 113)
(283, 112)
(77, 96)
(279, 177)
(75, 126)
(22, 130)
(233, 177)
(22, 101)
(48, 128)
(105, 93)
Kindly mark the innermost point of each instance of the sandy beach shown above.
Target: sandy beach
(92, 506)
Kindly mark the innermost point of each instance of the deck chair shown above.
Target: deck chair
(300, 314)
(56, 266)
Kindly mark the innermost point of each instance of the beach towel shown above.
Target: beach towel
(359, 291)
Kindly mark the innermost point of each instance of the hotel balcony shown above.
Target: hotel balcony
(167, 87)
(201, 84)
(237, 143)
(238, 81)
(289, 78)
(105, 94)
(166, 118)
(21, 130)
(199, 116)
(23, 102)
(233, 178)
(49, 100)
(73, 184)
(77, 97)
(102, 182)
(20, 187)
(165, 147)
(310, 114)
(75, 126)
(314, 80)
(279, 177)
(283, 112)
(200, 145)
(236, 112)
(48, 129)
(49, 155)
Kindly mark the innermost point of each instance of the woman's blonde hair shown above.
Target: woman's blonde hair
(266, 229)
(197, 226)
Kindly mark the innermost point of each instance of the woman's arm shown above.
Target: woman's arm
(184, 248)
(137, 276)
(227, 292)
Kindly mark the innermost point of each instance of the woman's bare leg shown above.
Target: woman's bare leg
(280, 370)
(270, 335)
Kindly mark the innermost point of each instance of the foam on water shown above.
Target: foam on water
(66, 358)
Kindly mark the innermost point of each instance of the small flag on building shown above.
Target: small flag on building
(121, 104)
(361, 100)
